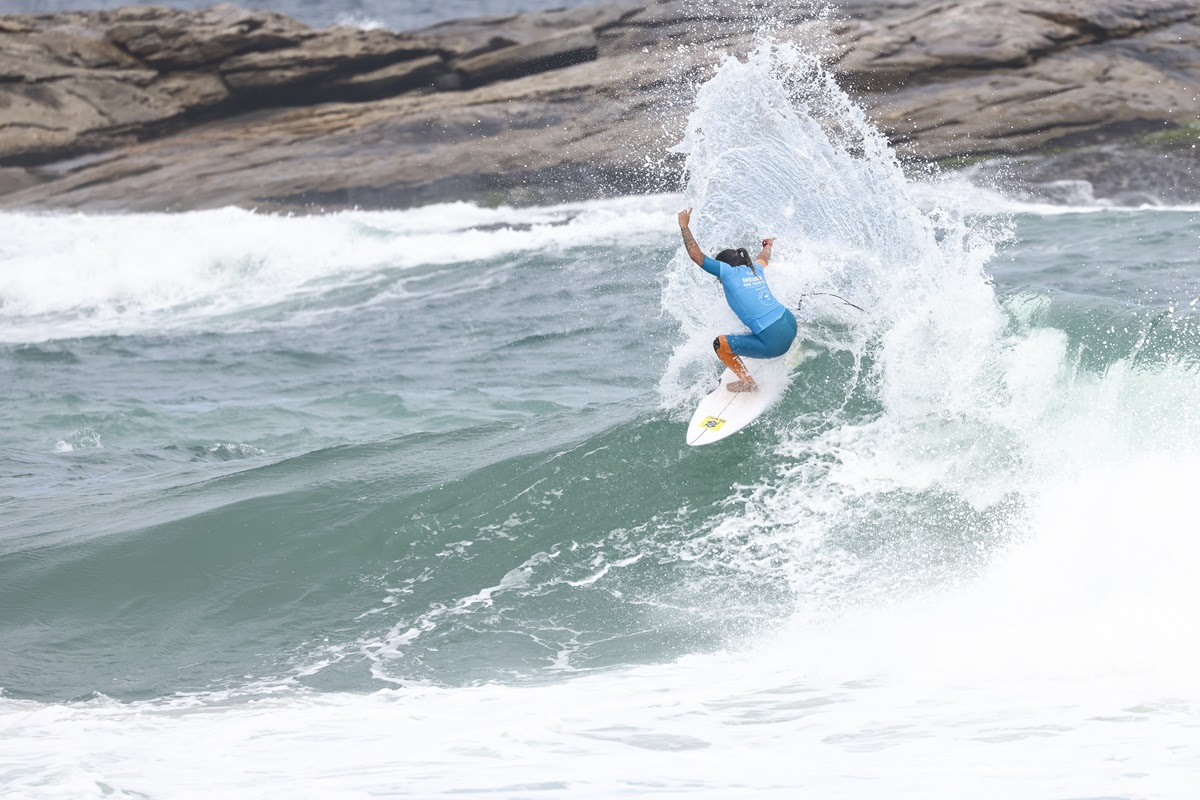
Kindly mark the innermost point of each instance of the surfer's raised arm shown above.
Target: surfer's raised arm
(764, 255)
(772, 326)
(689, 242)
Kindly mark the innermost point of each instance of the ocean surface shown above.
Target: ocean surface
(396, 15)
(397, 504)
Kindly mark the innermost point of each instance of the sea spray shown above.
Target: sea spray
(956, 415)
(1003, 468)
(775, 148)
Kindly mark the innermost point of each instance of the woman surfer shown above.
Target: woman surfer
(772, 327)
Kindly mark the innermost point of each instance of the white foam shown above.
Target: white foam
(78, 275)
(827, 715)
(79, 439)
(975, 199)
(64, 276)
(361, 21)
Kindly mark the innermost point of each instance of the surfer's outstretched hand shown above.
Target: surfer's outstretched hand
(685, 218)
(765, 256)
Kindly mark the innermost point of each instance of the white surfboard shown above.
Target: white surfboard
(723, 413)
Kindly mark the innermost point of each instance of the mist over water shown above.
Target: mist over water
(398, 504)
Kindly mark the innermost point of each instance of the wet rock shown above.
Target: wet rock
(13, 179)
(1145, 173)
(195, 109)
(392, 79)
(338, 52)
(1006, 77)
(465, 39)
(573, 46)
(182, 40)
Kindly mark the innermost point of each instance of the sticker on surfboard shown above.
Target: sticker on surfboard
(723, 413)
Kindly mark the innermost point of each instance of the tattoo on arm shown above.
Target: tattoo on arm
(765, 255)
(693, 249)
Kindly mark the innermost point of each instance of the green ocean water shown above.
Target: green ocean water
(248, 496)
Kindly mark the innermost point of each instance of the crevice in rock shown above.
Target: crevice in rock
(129, 173)
(332, 103)
(31, 125)
(125, 50)
(1088, 32)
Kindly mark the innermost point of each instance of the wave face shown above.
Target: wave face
(406, 492)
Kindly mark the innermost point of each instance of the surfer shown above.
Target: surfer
(772, 327)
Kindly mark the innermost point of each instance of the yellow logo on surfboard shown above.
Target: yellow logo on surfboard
(712, 423)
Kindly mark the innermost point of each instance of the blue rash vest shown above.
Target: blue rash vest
(747, 293)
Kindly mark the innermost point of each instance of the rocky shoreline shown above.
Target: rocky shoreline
(148, 109)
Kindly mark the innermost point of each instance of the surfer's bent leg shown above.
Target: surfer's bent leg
(772, 342)
(779, 335)
(729, 359)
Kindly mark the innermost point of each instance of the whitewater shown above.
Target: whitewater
(397, 503)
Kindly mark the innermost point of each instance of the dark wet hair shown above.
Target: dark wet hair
(736, 258)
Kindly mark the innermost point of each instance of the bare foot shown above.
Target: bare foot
(743, 386)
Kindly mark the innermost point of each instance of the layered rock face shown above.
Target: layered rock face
(149, 109)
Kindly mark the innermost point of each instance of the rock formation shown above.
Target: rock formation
(149, 109)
